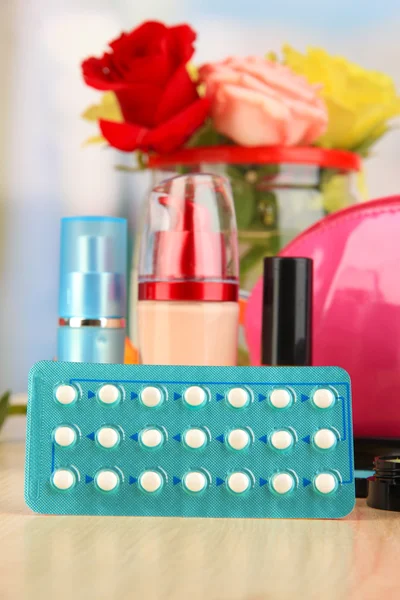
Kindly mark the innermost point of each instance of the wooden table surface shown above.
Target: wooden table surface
(96, 558)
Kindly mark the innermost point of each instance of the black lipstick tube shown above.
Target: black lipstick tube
(287, 312)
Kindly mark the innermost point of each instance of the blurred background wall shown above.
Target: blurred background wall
(45, 173)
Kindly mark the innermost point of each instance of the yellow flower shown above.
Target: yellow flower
(360, 102)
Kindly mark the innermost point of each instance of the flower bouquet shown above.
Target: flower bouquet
(289, 132)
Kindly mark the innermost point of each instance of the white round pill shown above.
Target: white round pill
(195, 396)
(107, 480)
(239, 482)
(151, 438)
(108, 394)
(282, 440)
(108, 437)
(66, 394)
(283, 483)
(323, 398)
(238, 397)
(195, 481)
(195, 438)
(64, 436)
(325, 483)
(150, 481)
(280, 398)
(238, 439)
(63, 479)
(325, 439)
(151, 396)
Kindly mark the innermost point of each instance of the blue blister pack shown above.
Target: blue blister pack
(189, 441)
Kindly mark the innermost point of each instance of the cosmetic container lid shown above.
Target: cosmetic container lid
(287, 312)
(93, 266)
(384, 486)
(189, 247)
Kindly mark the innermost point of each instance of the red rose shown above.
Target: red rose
(146, 69)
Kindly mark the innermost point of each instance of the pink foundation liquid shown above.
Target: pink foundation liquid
(188, 333)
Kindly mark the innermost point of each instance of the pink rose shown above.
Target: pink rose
(257, 102)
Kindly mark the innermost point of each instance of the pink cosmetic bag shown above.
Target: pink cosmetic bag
(356, 314)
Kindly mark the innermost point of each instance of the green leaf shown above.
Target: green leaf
(267, 172)
(4, 404)
(140, 163)
(334, 192)
(6, 410)
(207, 135)
(127, 169)
(364, 147)
(142, 159)
(251, 258)
(243, 196)
(17, 409)
(94, 139)
(267, 210)
(108, 109)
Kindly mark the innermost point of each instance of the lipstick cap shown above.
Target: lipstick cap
(93, 266)
(287, 312)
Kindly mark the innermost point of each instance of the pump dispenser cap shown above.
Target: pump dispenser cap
(189, 241)
(287, 312)
(93, 267)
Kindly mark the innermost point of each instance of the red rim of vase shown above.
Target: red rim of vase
(306, 155)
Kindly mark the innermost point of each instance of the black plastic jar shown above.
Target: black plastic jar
(384, 486)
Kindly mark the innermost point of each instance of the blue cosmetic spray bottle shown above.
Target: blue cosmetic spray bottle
(92, 301)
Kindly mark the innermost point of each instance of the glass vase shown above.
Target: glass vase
(278, 192)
